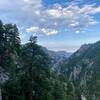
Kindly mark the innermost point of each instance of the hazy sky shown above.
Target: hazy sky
(59, 24)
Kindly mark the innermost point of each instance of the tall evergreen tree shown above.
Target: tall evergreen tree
(28, 68)
(36, 70)
(9, 54)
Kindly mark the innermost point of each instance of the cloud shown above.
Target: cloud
(33, 29)
(90, 9)
(72, 17)
(49, 20)
(56, 13)
(77, 31)
(49, 31)
(46, 31)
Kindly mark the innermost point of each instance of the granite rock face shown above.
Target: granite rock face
(83, 67)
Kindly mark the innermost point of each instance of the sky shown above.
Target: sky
(60, 25)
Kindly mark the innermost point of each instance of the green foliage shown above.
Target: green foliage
(28, 68)
(85, 62)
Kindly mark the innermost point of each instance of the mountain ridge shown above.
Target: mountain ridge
(83, 68)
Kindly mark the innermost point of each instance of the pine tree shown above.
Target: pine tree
(9, 52)
(36, 70)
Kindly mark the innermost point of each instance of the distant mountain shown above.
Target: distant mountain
(57, 57)
(83, 68)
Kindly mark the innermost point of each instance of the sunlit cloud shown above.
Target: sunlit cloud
(50, 20)
(33, 29)
(73, 18)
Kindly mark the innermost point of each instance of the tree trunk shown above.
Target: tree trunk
(30, 97)
(0, 95)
